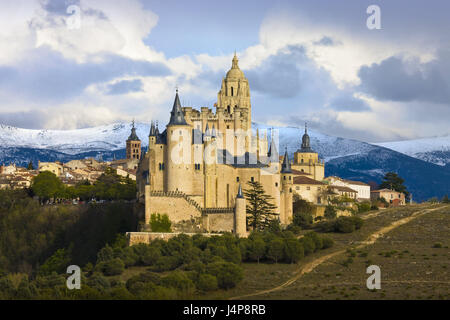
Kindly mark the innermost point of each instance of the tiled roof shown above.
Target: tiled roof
(306, 180)
(344, 189)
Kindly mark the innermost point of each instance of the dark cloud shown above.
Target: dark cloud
(398, 80)
(48, 76)
(125, 86)
(345, 101)
(280, 75)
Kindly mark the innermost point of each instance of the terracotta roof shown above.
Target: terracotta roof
(306, 180)
(296, 172)
(344, 189)
(356, 182)
(385, 190)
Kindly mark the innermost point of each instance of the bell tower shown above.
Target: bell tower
(234, 95)
(133, 145)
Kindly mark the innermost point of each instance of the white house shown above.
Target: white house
(362, 188)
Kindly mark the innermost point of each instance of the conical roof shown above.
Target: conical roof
(176, 115)
(286, 165)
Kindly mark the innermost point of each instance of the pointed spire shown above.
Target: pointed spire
(273, 152)
(239, 194)
(306, 127)
(213, 131)
(286, 165)
(207, 132)
(133, 136)
(176, 115)
(235, 61)
(152, 129)
(306, 147)
(157, 129)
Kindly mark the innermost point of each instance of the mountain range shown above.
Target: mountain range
(423, 163)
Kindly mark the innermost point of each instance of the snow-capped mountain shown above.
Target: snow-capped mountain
(102, 138)
(435, 150)
(347, 158)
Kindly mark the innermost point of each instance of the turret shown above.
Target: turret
(286, 186)
(240, 215)
(178, 156)
(152, 136)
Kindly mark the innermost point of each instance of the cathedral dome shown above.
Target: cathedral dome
(235, 72)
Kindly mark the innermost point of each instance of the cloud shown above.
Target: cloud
(33, 119)
(48, 76)
(397, 79)
(125, 86)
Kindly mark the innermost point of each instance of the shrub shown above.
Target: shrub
(364, 206)
(345, 225)
(326, 226)
(318, 242)
(113, 267)
(357, 221)
(437, 245)
(308, 245)
(166, 263)
(327, 242)
(275, 249)
(207, 282)
(330, 212)
(293, 250)
(228, 274)
(294, 228)
(257, 248)
(160, 223)
(302, 219)
(99, 282)
(178, 280)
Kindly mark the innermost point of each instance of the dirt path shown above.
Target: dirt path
(313, 264)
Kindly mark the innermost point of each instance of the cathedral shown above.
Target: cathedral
(197, 168)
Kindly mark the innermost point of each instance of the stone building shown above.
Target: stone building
(197, 167)
(393, 197)
(307, 160)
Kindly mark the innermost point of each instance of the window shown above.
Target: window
(290, 178)
(290, 190)
(229, 109)
(231, 91)
(228, 127)
(252, 179)
(276, 184)
(237, 179)
(284, 177)
(303, 170)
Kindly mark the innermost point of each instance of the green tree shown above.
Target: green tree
(46, 186)
(228, 274)
(392, 181)
(330, 212)
(302, 213)
(257, 247)
(275, 249)
(293, 250)
(160, 223)
(260, 207)
(30, 166)
(445, 199)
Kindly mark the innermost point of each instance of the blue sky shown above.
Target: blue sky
(312, 61)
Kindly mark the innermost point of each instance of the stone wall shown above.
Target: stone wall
(219, 222)
(146, 237)
(177, 208)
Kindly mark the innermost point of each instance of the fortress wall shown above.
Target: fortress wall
(146, 237)
(177, 208)
(220, 222)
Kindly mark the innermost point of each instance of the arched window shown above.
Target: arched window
(229, 109)
(232, 91)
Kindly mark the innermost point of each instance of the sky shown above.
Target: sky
(107, 61)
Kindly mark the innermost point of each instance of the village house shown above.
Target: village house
(394, 198)
(362, 189)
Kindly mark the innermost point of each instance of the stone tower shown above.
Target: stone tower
(286, 187)
(234, 95)
(178, 155)
(133, 145)
(240, 215)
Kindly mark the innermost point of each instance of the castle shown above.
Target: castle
(196, 168)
